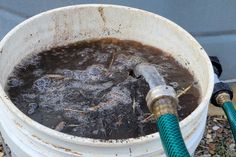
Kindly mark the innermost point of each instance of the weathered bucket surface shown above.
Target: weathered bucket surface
(27, 138)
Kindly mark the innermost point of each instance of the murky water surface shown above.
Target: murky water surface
(88, 88)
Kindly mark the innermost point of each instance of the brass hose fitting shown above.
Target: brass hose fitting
(221, 93)
(164, 105)
(162, 100)
(222, 98)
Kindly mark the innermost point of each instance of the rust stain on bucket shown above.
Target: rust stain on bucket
(63, 28)
(101, 12)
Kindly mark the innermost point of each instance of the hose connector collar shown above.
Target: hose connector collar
(223, 98)
(162, 100)
(220, 88)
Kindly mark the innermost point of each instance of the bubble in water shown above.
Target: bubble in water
(32, 108)
(38, 72)
(117, 95)
(85, 55)
(68, 73)
(174, 84)
(28, 97)
(102, 57)
(91, 74)
(42, 84)
(123, 62)
(95, 132)
(15, 82)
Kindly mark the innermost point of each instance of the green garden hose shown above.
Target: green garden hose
(162, 102)
(231, 115)
(171, 136)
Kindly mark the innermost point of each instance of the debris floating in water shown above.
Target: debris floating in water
(88, 89)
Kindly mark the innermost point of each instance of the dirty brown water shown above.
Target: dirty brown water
(88, 88)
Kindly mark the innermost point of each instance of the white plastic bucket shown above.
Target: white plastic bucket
(27, 138)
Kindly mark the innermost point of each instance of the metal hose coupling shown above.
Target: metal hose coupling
(223, 98)
(222, 93)
(162, 100)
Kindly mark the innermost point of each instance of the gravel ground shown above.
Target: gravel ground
(217, 142)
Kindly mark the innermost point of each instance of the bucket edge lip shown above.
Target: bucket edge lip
(97, 142)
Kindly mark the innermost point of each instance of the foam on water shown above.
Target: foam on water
(88, 89)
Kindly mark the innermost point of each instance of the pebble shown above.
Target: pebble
(212, 146)
(208, 136)
(215, 127)
(210, 140)
(232, 146)
(212, 152)
(220, 130)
